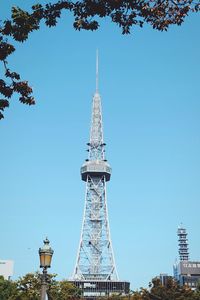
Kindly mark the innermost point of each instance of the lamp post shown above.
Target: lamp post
(45, 254)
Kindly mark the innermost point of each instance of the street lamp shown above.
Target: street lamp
(45, 254)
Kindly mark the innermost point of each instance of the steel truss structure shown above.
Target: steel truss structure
(183, 244)
(95, 258)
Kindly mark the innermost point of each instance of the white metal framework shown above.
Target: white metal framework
(95, 258)
(183, 244)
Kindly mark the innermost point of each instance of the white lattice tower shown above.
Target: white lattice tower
(95, 258)
(183, 244)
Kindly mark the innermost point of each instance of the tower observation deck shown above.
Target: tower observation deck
(95, 271)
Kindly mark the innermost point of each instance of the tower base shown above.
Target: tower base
(92, 289)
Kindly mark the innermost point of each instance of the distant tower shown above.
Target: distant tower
(186, 272)
(95, 259)
(183, 244)
(95, 270)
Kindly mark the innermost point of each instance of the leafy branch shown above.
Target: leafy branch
(87, 13)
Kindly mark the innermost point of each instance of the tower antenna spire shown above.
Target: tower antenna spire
(97, 71)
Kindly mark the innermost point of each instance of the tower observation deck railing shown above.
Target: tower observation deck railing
(96, 168)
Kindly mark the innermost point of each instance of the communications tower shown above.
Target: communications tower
(186, 271)
(183, 244)
(95, 270)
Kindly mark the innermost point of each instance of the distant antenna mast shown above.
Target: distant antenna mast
(97, 72)
(183, 244)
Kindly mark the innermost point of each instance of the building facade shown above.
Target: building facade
(6, 268)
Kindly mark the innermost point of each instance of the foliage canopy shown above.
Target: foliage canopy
(28, 288)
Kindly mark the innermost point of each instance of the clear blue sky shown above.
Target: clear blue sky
(149, 83)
